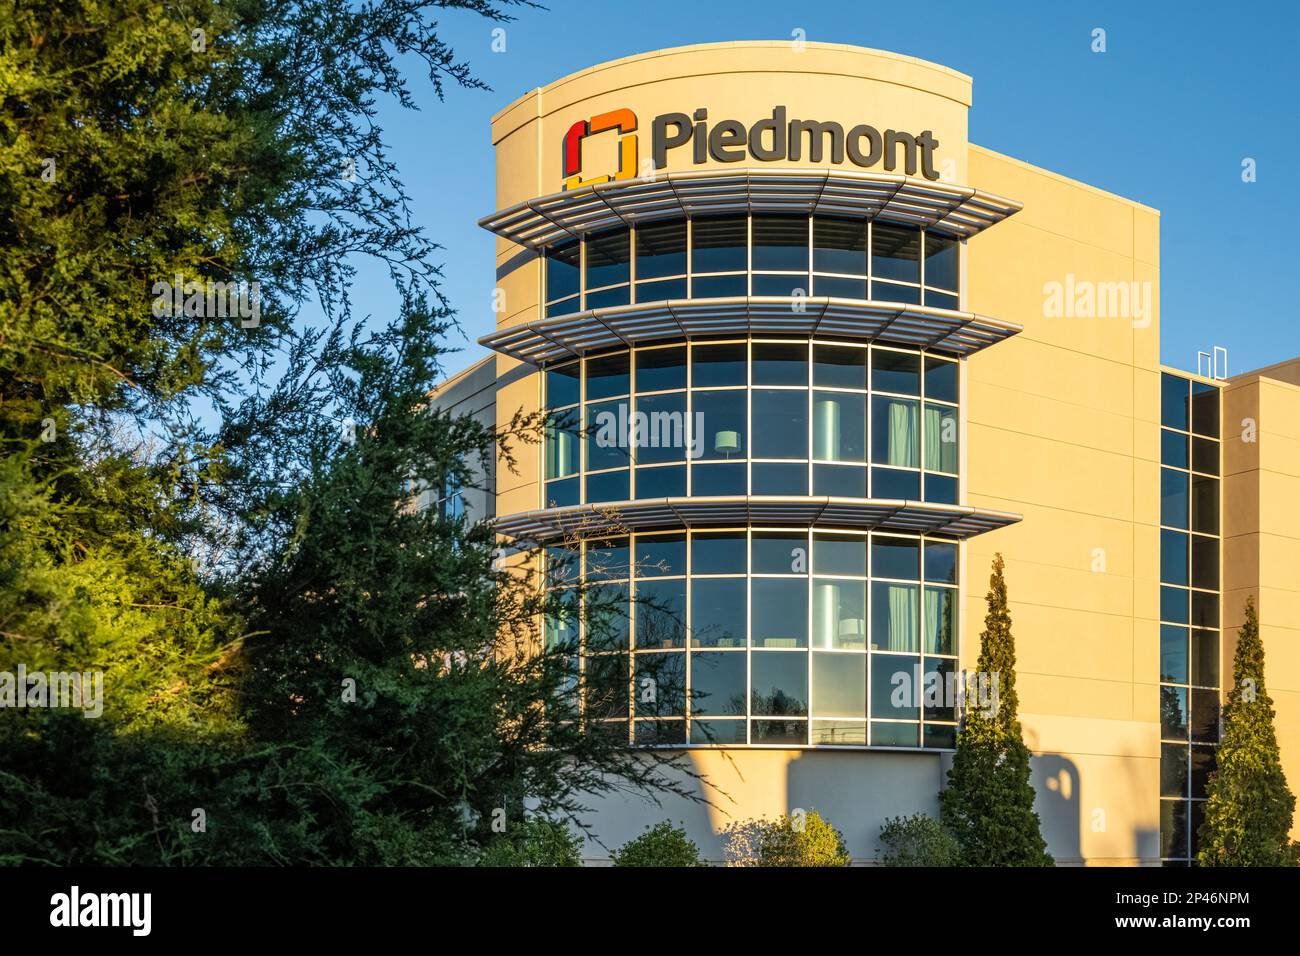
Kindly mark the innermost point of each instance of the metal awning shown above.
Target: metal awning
(553, 524)
(566, 336)
(960, 210)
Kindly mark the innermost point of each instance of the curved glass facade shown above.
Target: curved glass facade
(759, 255)
(753, 417)
(763, 636)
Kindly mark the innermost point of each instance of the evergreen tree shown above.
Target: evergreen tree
(1248, 814)
(989, 803)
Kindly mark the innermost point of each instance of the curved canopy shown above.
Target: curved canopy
(960, 210)
(552, 524)
(567, 336)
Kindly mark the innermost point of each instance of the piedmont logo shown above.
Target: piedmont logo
(621, 121)
(103, 909)
(773, 138)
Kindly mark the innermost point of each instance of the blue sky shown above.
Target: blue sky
(1184, 92)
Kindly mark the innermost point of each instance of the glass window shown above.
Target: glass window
(713, 365)
(609, 486)
(895, 439)
(839, 733)
(1173, 605)
(1203, 764)
(941, 300)
(780, 363)
(840, 245)
(941, 562)
(898, 372)
(562, 494)
(718, 612)
(719, 287)
(1205, 504)
(658, 555)
(1173, 654)
(1173, 828)
(941, 438)
(940, 489)
(780, 244)
(895, 686)
(660, 685)
(608, 375)
(608, 258)
(562, 276)
(1205, 410)
(608, 298)
(606, 683)
(839, 366)
(564, 385)
(606, 445)
(661, 291)
(779, 285)
(774, 732)
(1173, 498)
(940, 380)
(1173, 770)
(1205, 455)
(885, 734)
(1205, 715)
(894, 292)
(1173, 448)
(839, 426)
(895, 252)
(562, 445)
(840, 481)
(660, 249)
(1173, 557)
(779, 552)
(658, 370)
(1175, 394)
(839, 614)
(724, 415)
(718, 552)
(895, 624)
(717, 733)
(839, 287)
(895, 484)
(779, 479)
(940, 261)
(779, 684)
(939, 607)
(661, 482)
(1205, 658)
(895, 557)
(718, 683)
(665, 436)
(719, 245)
(661, 613)
(840, 554)
(779, 616)
(1173, 713)
(939, 683)
(1205, 562)
(607, 617)
(784, 431)
(1205, 609)
(717, 480)
(839, 685)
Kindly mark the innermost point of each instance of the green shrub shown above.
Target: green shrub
(661, 845)
(798, 840)
(535, 842)
(918, 840)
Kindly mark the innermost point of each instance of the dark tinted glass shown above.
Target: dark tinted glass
(718, 612)
(719, 287)
(717, 480)
(779, 616)
(606, 685)
(837, 366)
(717, 733)
(608, 298)
(940, 261)
(1205, 658)
(718, 245)
(661, 613)
(1205, 504)
(1202, 767)
(724, 416)
(1173, 828)
(1205, 715)
(563, 385)
(1205, 410)
(938, 676)
(1173, 653)
(784, 418)
(895, 484)
(610, 486)
(941, 562)
(718, 365)
(661, 290)
(1175, 394)
(1205, 562)
(1173, 713)
(840, 245)
(1173, 498)
(1173, 449)
(771, 478)
(781, 243)
(1173, 557)
(660, 249)
(608, 558)
(941, 300)
(839, 287)
(608, 257)
(840, 481)
(785, 284)
(941, 489)
(665, 435)
(896, 372)
(941, 380)
(779, 684)
(606, 448)
(895, 686)
(660, 369)
(1173, 605)
(561, 494)
(893, 735)
(895, 558)
(721, 552)
(779, 552)
(562, 276)
(780, 363)
(661, 554)
(669, 482)
(1173, 770)
(894, 292)
(895, 252)
(608, 376)
(718, 684)
(1205, 455)
(608, 619)
(840, 554)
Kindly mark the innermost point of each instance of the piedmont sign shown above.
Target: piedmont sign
(771, 139)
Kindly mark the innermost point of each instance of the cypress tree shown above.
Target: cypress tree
(1248, 815)
(989, 803)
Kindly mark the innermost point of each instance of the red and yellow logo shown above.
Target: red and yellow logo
(624, 122)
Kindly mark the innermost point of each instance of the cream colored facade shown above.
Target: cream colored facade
(1061, 425)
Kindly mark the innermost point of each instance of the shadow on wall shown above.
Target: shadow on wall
(1067, 813)
(1059, 802)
